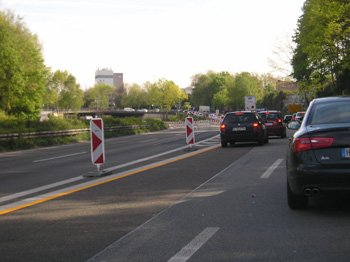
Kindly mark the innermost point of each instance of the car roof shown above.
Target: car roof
(240, 112)
(331, 99)
(270, 111)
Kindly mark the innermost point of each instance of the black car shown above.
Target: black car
(318, 159)
(243, 126)
(287, 118)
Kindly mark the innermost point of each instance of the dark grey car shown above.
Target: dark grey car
(243, 126)
(318, 158)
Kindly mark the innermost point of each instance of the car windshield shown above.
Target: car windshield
(327, 113)
(239, 118)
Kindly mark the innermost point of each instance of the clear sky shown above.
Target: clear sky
(151, 39)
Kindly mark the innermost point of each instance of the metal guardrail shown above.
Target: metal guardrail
(69, 132)
(201, 123)
(72, 132)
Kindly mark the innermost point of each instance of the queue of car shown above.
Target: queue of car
(251, 126)
(318, 156)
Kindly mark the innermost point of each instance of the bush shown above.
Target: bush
(178, 117)
(14, 125)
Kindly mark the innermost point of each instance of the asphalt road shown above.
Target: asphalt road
(163, 203)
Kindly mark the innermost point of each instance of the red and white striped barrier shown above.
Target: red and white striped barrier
(97, 142)
(189, 131)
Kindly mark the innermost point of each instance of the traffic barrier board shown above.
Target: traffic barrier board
(189, 131)
(97, 142)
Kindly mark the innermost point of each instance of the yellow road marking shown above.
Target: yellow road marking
(102, 182)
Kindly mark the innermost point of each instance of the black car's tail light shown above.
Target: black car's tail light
(222, 128)
(303, 144)
(256, 126)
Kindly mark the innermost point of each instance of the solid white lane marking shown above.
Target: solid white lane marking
(38, 189)
(58, 157)
(269, 171)
(184, 254)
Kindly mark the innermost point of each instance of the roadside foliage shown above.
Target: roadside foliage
(321, 60)
(23, 74)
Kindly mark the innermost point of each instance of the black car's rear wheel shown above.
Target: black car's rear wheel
(223, 143)
(267, 140)
(261, 141)
(284, 134)
(296, 201)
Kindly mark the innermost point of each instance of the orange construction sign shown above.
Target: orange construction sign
(294, 108)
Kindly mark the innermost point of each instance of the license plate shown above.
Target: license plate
(345, 153)
(268, 124)
(239, 128)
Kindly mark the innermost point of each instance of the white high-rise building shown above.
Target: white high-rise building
(106, 76)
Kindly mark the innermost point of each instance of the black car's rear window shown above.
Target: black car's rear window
(240, 118)
(327, 113)
(269, 116)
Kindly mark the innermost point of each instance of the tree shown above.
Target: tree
(63, 92)
(164, 93)
(282, 55)
(137, 97)
(120, 96)
(269, 82)
(206, 88)
(322, 54)
(170, 93)
(201, 93)
(186, 106)
(274, 101)
(23, 74)
(100, 96)
(220, 99)
(154, 94)
(50, 94)
(245, 84)
(71, 96)
(54, 88)
(182, 98)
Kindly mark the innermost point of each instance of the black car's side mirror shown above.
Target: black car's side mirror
(294, 125)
